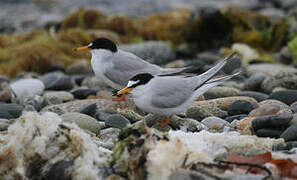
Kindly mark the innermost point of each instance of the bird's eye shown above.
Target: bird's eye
(132, 83)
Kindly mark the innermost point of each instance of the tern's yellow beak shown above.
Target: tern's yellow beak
(84, 48)
(124, 91)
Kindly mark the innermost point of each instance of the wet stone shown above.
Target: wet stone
(259, 96)
(286, 96)
(235, 117)
(240, 107)
(273, 121)
(90, 109)
(82, 92)
(117, 121)
(274, 133)
(264, 110)
(290, 134)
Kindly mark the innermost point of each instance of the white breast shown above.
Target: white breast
(100, 62)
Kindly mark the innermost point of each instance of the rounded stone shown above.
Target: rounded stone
(290, 134)
(240, 107)
(286, 96)
(221, 91)
(82, 92)
(211, 121)
(254, 82)
(117, 121)
(83, 121)
(90, 109)
(235, 117)
(10, 111)
(273, 133)
(27, 87)
(293, 107)
(264, 110)
(280, 104)
(254, 94)
(61, 170)
(285, 146)
(57, 81)
(80, 67)
(63, 96)
(273, 121)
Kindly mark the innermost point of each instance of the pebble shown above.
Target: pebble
(82, 92)
(259, 96)
(269, 69)
(270, 83)
(83, 121)
(290, 134)
(240, 107)
(223, 103)
(274, 133)
(211, 121)
(61, 170)
(280, 104)
(253, 83)
(117, 121)
(157, 52)
(94, 82)
(57, 81)
(10, 111)
(27, 87)
(293, 107)
(244, 125)
(186, 124)
(199, 112)
(56, 67)
(78, 79)
(90, 109)
(273, 121)
(63, 96)
(232, 65)
(80, 67)
(35, 102)
(221, 91)
(235, 117)
(4, 124)
(131, 115)
(208, 57)
(286, 96)
(264, 110)
(102, 115)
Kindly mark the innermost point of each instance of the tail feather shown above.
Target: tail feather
(203, 78)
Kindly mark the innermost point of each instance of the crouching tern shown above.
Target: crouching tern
(167, 95)
(115, 66)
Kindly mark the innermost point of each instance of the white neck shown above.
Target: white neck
(101, 54)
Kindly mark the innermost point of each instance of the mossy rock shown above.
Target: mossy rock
(83, 18)
(121, 24)
(164, 26)
(293, 48)
(75, 36)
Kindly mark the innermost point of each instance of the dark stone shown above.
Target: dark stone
(83, 93)
(57, 81)
(61, 170)
(117, 121)
(254, 82)
(286, 96)
(274, 133)
(232, 64)
(273, 121)
(290, 134)
(235, 117)
(210, 95)
(240, 107)
(256, 95)
(293, 107)
(10, 111)
(78, 79)
(104, 114)
(90, 109)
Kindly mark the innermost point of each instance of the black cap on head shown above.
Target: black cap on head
(103, 43)
(139, 79)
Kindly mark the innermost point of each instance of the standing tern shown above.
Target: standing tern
(115, 66)
(168, 95)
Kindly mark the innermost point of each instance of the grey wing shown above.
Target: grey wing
(170, 92)
(127, 66)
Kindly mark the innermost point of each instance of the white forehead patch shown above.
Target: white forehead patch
(131, 83)
(91, 44)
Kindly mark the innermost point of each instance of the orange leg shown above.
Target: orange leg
(121, 98)
(162, 122)
(201, 98)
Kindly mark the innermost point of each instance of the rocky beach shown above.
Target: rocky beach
(58, 120)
